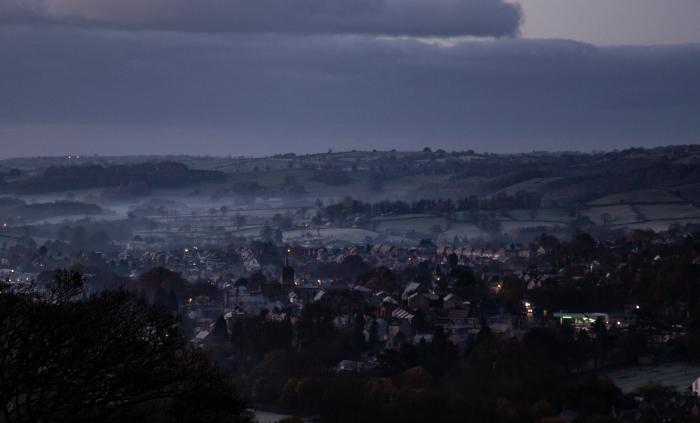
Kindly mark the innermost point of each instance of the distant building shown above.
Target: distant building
(696, 387)
(582, 320)
(287, 278)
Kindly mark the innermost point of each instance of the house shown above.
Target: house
(451, 301)
(387, 307)
(695, 387)
(582, 320)
(410, 289)
(418, 301)
(399, 331)
(349, 366)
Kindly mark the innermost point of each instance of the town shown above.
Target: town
(290, 321)
(355, 286)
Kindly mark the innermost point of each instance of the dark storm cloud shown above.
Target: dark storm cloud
(379, 17)
(112, 91)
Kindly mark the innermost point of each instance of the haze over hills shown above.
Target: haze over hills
(356, 196)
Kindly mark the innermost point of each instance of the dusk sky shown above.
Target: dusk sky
(258, 77)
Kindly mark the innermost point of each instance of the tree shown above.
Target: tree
(109, 358)
(239, 221)
(67, 285)
(358, 334)
(436, 230)
(220, 332)
(160, 277)
(375, 183)
(281, 221)
(315, 324)
(373, 340)
(266, 233)
(257, 281)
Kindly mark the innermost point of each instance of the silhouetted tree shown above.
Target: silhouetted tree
(108, 358)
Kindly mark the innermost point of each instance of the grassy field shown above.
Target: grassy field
(678, 376)
(541, 215)
(514, 226)
(660, 225)
(669, 211)
(641, 196)
(531, 185)
(351, 235)
(689, 192)
(464, 230)
(421, 225)
(620, 214)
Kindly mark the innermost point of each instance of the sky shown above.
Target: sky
(260, 77)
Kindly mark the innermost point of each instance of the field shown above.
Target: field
(401, 225)
(660, 225)
(678, 376)
(514, 226)
(349, 235)
(616, 215)
(669, 211)
(689, 192)
(544, 216)
(533, 185)
(77, 217)
(464, 230)
(642, 196)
